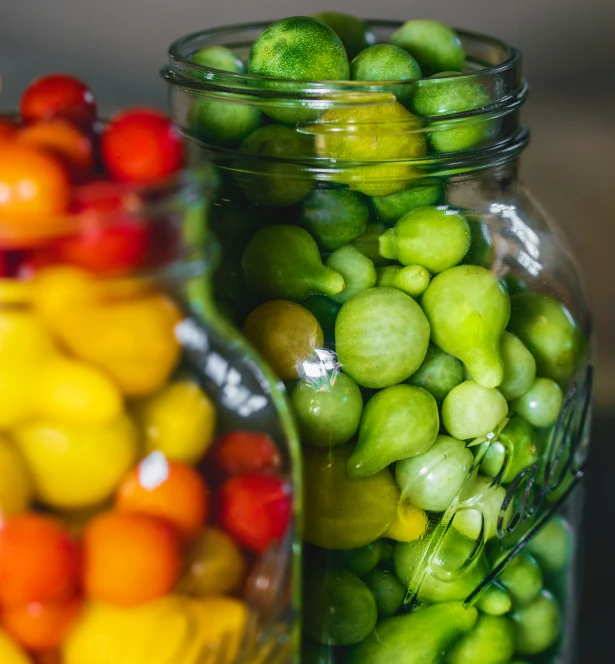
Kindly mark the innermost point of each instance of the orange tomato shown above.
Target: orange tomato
(41, 627)
(39, 562)
(130, 559)
(170, 490)
(32, 182)
(64, 139)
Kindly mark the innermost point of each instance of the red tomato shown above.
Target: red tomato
(41, 627)
(141, 145)
(39, 562)
(63, 138)
(58, 95)
(114, 249)
(246, 452)
(32, 182)
(105, 196)
(7, 129)
(255, 509)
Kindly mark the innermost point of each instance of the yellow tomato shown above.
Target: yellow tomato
(167, 631)
(17, 394)
(73, 392)
(410, 524)
(179, 421)
(74, 466)
(16, 487)
(23, 338)
(10, 652)
(214, 565)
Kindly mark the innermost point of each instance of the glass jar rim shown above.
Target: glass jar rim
(243, 83)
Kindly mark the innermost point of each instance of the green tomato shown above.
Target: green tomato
(494, 600)
(448, 94)
(471, 410)
(522, 578)
(537, 625)
(354, 32)
(541, 404)
(327, 412)
(468, 309)
(550, 332)
(387, 590)
(436, 238)
(419, 637)
(359, 561)
(432, 479)
(342, 513)
(479, 510)
(435, 46)
(482, 248)
(381, 337)
(516, 446)
(219, 57)
(398, 422)
(385, 62)
(271, 181)
(390, 208)
(519, 367)
(357, 270)
(284, 261)
(412, 279)
(301, 49)
(552, 546)
(367, 244)
(223, 123)
(439, 373)
(334, 217)
(492, 641)
(339, 610)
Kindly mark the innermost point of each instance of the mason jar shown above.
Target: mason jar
(146, 455)
(426, 316)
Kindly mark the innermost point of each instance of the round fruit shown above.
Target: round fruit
(41, 627)
(169, 490)
(218, 57)
(179, 421)
(7, 129)
(58, 95)
(255, 509)
(15, 481)
(140, 145)
(240, 452)
(71, 144)
(354, 32)
(38, 561)
(214, 565)
(32, 182)
(77, 466)
(130, 559)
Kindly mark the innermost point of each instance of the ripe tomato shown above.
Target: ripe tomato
(141, 145)
(255, 509)
(246, 452)
(58, 95)
(7, 129)
(39, 562)
(64, 139)
(41, 627)
(32, 182)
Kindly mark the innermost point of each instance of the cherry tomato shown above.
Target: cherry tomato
(255, 509)
(41, 627)
(246, 452)
(105, 196)
(32, 182)
(39, 562)
(63, 138)
(115, 249)
(141, 145)
(7, 129)
(58, 95)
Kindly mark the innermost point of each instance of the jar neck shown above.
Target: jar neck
(481, 137)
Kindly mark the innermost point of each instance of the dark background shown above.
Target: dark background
(117, 46)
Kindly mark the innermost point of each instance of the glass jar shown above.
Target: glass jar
(146, 456)
(428, 320)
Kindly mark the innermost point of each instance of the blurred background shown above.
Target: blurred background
(118, 46)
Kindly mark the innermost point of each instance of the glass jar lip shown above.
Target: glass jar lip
(241, 82)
